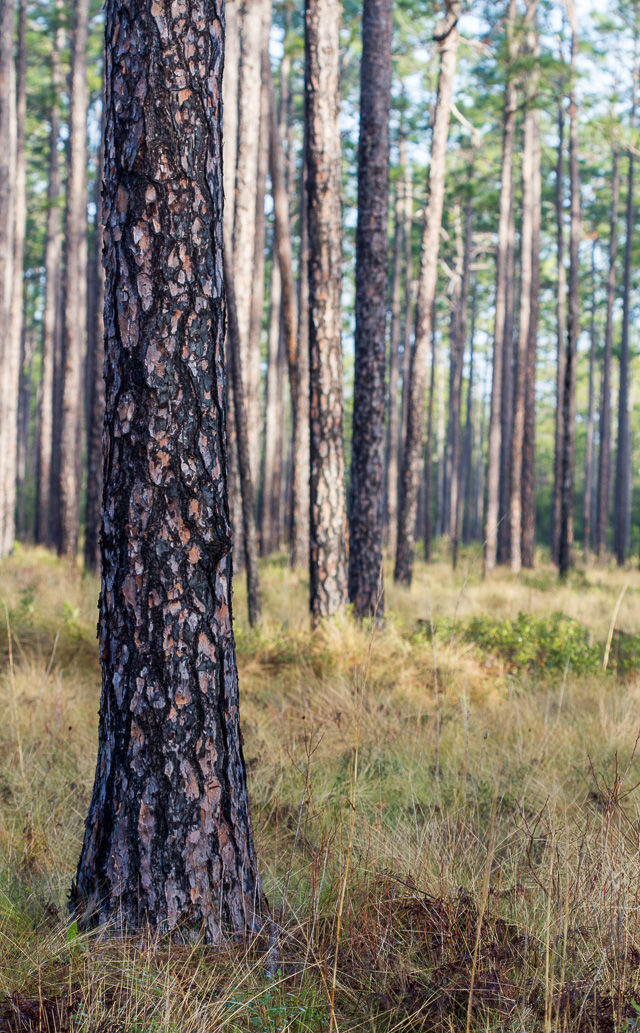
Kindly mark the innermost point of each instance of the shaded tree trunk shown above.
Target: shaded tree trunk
(366, 510)
(565, 557)
(440, 442)
(95, 385)
(506, 412)
(428, 463)
(454, 364)
(529, 441)
(495, 423)
(75, 289)
(393, 427)
(479, 470)
(621, 526)
(446, 35)
(604, 461)
(589, 453)
(465, 521)
(168, 839)
(328, 518)
(561, 307)
(300, 501)
(24, 420)
(271, 469)
(455, 405)
(408, 304)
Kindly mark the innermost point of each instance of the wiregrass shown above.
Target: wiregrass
(448, 831)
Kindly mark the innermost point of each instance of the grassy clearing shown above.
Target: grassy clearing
(487, 850)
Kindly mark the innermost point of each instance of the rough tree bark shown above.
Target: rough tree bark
(15, 338)
(328, 519)
(561, 320)
(366, 510)
(446, 35)
(565, 555)
(495, 426)
(50, 322)
(95, 384)
(604, 459)
(168, 839)
(75, 289)
(393, 423)
(621, 524)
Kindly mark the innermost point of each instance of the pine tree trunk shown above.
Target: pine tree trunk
(75, 289)
(508, 380)
(168, 839)
(428, 463)
(454, 350)
(455, 407)
(300, 501)
(565, 558)
(95, 384)
(366, 510)
(621, 527)
(589, 453)
(479, 471)
(604, 464)
(246, 186)
(24, 420)
(328, 519)
(529, 442)
(446, 35)
(561, 332)
(14, 347)
(495, 424)
(394, 354)
(440, 443)
(465, 521)
(270, 474)
(408, 305)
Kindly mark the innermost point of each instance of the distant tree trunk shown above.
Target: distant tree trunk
(300, 502)
(589, 454)
(75, 289)
(454, 365)
(24, 420)
(465, 521)
(623, 458)
(244, 455)
(565, 561)
(604, 464)
(366, 510)
(506, 410)
(53, 249)
(408, 305)
(246, 186)
(479, 470)
(428, 463)
(457, 479)
(495, 426)
(393, 413)
(270, 467)
(440, 442)
(168, 840)
(529, 441)
(230, 104)
(526, 253)
(328, 518)
(446, 35)
(15, 343)
(561, 331)
(95, 384)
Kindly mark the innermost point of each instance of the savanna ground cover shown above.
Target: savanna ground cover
(445, 811)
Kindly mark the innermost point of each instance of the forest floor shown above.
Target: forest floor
(449, 799)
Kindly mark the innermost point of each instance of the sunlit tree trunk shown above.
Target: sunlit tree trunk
(495, 425)
(366, 511)
(300, 503)
(604, 461)
(75, 289)
(271, 467)
(466, 505)
(95, 385)
(393, 425)
(455, 406)
(168, 840)
(428, 463)
(590, 449)
(328, 518)
(561, 321)
(446, 35)
(508, 379)
(408, 304)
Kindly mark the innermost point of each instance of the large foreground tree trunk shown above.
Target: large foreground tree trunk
(565, 555)
(366, 511)
(495, 424)
(604, 459)
(446, 34)
(328, 524)
(168, 839)
(75, 289)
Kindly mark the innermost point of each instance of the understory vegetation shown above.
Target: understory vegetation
(445, 811)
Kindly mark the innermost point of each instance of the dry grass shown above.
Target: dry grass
(494, 871)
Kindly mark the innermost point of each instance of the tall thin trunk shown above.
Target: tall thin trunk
(621, 527)
(24, 420)
(75, 289)
(465, 521)
(604, 463)
(270, 467)
(446, 35)
(366, 510)
(428, 463)
(561, 322)
(506, 408)
(565, 559)
(328, 517)
(95, 384)
(479, 470)
(168, 840)
(244, 445)
(440, 445)
(300, 501)
(455, 406)
(529, 442)
(246, 186)
(454, 364)
(408, 304)
(495, 426)
(394, 343)
(589, 454)
(12, 358)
